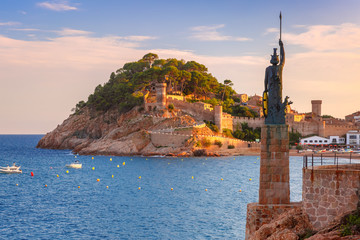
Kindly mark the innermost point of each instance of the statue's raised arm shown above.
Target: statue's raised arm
(282, 53)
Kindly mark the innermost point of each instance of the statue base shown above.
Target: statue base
(274, 187)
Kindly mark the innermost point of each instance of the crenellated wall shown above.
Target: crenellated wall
(252, 122)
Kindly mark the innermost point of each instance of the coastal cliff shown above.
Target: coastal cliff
(112, 133)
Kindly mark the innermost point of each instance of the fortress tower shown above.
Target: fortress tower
(316, 107)
(160, 89)
(218, 117)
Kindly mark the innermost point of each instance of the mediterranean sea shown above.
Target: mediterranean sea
(126, 197)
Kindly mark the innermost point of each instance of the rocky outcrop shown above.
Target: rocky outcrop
(294, 225)
(288, 226)
(111, 133)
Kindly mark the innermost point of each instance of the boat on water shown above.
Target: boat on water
(75, 164)
(12, 169)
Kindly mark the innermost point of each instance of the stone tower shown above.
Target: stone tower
(160, 89)
(218, 117)
(316, 107)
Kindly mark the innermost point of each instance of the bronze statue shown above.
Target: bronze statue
(273, 107)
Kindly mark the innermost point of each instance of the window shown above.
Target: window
(305, 141)
(352, 137)
(325, 141)
(315, 141)
(334, 140)
(320, 141)
(310, 141)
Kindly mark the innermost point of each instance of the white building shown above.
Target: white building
(314, 140)
(353, 138)
(337, 140)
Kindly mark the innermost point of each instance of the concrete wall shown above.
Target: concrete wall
(328, 192)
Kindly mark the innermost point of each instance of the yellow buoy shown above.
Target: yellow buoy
(67, 171)
(139, 188)
(78, 186)
(93, 168)
(250, 179)
(139, 177)
(123, 163)
(75, 156)
(17, 184)
(192, 177)
(110, 159)
(92, 158)
(222, 179)
(146, 159)
(240, 190)
(107, 186)
(57, 175)
(98, 180)
(45, 185)
(118, 166)
(205, 189)
(171, 189)
(112, 176)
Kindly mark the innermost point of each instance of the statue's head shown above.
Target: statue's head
(274, 58)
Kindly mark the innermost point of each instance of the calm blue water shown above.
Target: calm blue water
(122, 211)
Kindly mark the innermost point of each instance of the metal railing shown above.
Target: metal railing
(328, 159)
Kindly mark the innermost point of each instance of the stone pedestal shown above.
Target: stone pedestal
(274, 188)
(274, 167)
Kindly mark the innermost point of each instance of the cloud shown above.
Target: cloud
(138, 38)
(72, 32)
(210, 33)
(271, 30)
(9, 23)
(57, 6)
(327, 37)
(27, 29)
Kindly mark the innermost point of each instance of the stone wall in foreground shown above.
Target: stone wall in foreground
(329, 192)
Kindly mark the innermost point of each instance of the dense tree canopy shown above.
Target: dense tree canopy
(126, 86)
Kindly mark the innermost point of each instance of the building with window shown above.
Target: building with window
(353, 138)
(315, 140)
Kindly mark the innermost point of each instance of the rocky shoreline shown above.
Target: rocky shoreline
(135, 133)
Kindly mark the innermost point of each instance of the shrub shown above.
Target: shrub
(219, 143)
(200, 152)
(171, 107)
(205, 142)
(231, 146)
(227, 132)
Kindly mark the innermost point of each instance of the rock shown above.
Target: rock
(288, 225)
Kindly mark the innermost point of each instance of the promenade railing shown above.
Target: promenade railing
(311, 160)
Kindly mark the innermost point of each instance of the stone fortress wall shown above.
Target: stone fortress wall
(330, 191)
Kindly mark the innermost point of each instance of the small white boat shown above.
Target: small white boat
(13, 169)
(75, 164)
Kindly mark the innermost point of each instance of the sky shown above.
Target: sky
(53, 53)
